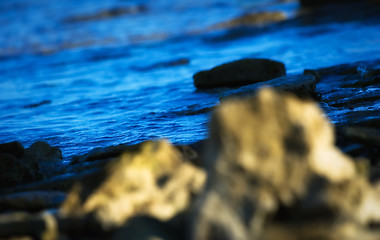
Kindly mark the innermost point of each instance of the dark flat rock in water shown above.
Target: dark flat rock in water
(239, 73)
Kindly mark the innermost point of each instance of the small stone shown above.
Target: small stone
(239, 73)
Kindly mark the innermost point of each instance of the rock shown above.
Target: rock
(44, 152)
(303, 86)
(15, 171)
(367, 136)
(152, 180)
(31, 201)
(18, 224)
(253, 19)
(274, 173)
(239, 73)
(13, 148)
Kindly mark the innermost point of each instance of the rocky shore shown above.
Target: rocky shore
(273, 167)
(288, 156)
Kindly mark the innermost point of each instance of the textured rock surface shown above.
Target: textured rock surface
(274, 171)
(153, 180)
(239, 73)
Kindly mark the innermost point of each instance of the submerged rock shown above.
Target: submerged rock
(153, 180)
(274, 173)
(239, 73)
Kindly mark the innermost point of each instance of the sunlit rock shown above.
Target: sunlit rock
(253, 19)
(153, 180)
(239, 73)
(274, 173)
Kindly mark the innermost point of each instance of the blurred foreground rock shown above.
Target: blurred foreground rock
(274, 173)
(239, 73)
(153, 180)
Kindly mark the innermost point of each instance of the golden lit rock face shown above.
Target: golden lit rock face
(272, 164)
(155, 181)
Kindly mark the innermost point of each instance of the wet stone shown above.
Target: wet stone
(239, 73)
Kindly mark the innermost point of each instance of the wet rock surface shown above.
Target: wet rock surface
(239, 73)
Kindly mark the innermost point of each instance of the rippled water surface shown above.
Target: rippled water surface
(99, 73)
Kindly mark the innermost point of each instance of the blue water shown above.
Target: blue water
(85, 84)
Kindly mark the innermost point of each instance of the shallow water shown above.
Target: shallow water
(79, 81)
